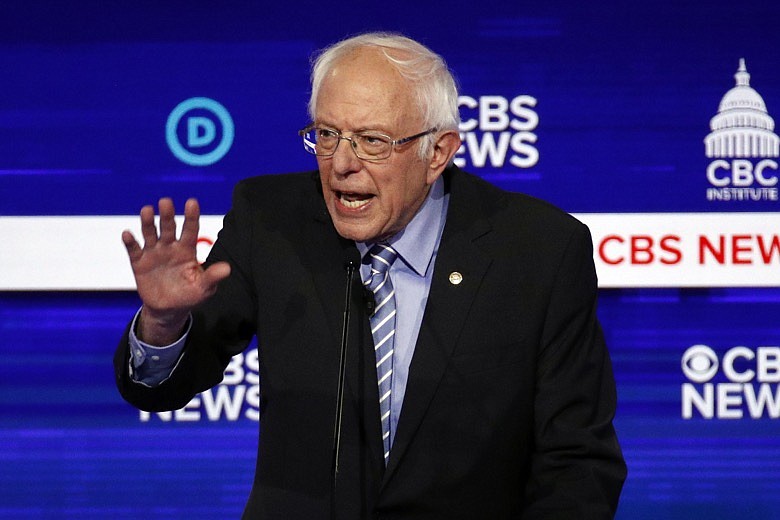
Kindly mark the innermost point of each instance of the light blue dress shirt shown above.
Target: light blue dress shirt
(411, 273)
(151, 365)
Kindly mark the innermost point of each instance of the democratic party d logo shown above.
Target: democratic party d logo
(199, 131)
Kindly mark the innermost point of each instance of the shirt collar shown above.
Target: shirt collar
(416, 243)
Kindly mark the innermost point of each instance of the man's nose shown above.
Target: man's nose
(344, 159)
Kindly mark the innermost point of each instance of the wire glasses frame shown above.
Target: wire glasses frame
(367, 145)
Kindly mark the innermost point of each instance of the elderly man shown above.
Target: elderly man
(472, 380)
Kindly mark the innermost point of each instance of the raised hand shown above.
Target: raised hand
(168, 276)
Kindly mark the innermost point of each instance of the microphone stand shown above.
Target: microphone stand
(351, 262)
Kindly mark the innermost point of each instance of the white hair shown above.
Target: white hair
(434, 87)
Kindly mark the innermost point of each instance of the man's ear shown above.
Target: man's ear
(447, 143)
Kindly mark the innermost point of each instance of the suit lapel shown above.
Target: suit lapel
(329, 279)
(448, 305)
(323, 251)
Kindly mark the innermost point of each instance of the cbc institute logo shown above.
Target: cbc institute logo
(744, 146)
(207, 128)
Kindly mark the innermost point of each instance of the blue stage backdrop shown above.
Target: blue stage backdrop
(653, 122)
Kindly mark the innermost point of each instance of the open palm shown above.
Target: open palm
(168, 276)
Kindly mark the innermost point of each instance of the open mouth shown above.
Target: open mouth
(354, 200)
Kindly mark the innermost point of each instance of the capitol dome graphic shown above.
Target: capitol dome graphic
(742, 127)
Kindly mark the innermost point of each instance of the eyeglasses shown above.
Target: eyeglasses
(367, 145)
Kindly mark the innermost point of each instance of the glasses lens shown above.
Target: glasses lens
(310, 141)
(320, 141)
(369, 145)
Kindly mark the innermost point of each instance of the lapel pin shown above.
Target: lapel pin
(455, 278)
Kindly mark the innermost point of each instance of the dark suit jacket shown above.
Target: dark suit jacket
(509, 405)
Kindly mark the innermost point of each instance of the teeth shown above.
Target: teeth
(353, 204)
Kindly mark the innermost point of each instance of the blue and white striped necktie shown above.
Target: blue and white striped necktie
(383, 330)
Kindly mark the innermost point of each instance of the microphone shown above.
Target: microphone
(370, 302)
(351, 264)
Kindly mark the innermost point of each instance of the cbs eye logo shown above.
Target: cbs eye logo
(700, 363)
(199, 131)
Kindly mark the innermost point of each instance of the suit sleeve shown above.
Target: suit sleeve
(577, 466)
(221, 327)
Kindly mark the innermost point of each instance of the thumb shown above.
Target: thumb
(214, 274)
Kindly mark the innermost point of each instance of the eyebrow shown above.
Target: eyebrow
(356, 130)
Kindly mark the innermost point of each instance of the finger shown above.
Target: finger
(148, 229)
(134, 250)
(213, 275)
(191, 226)
(167, 222)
